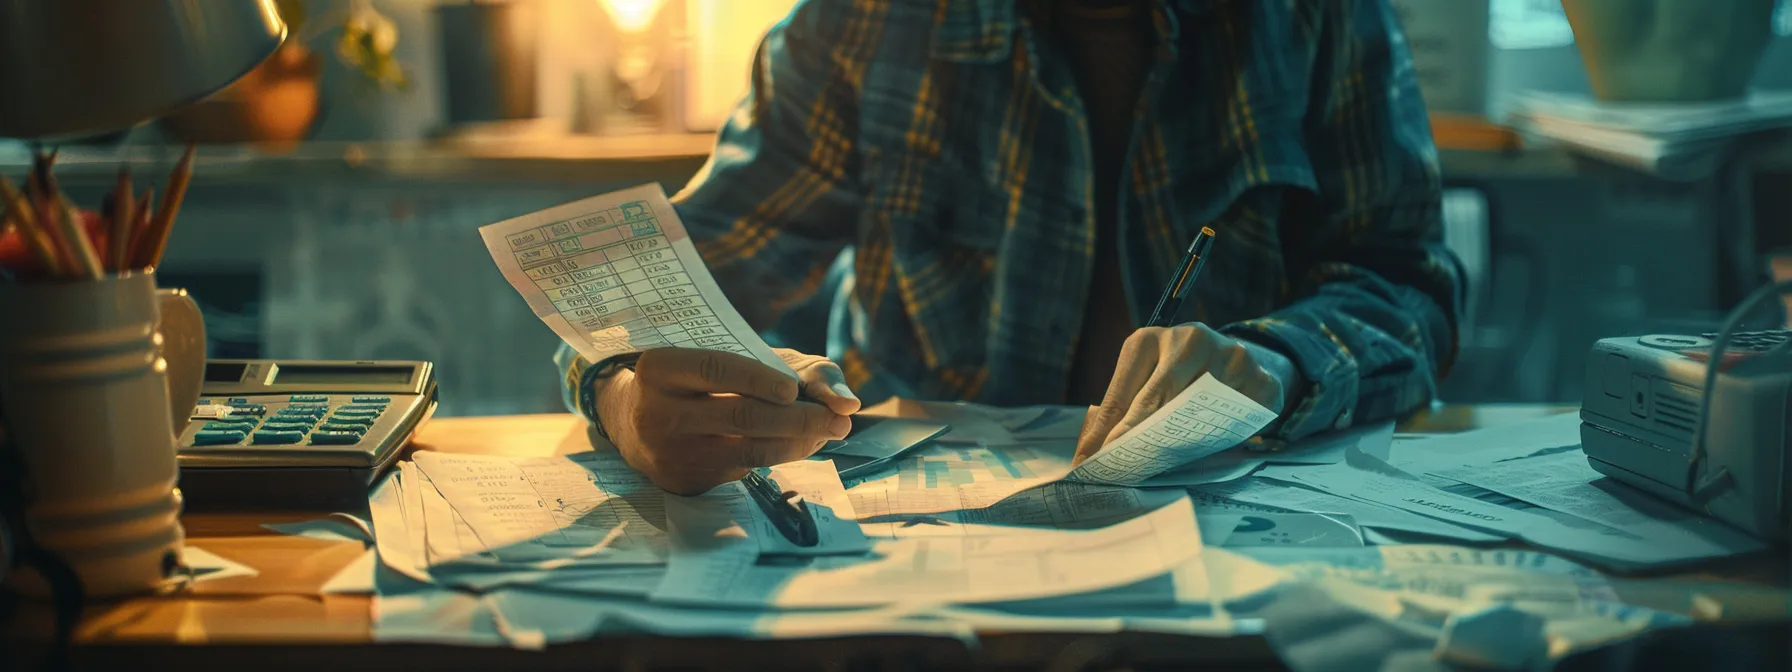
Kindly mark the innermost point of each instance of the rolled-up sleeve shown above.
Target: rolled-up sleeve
(1373, 323)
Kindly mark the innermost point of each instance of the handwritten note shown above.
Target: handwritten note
(1206, 418)
(617, 273)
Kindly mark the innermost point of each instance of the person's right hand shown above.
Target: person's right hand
(692, 419)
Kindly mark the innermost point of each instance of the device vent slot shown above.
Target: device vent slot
(1673, 410)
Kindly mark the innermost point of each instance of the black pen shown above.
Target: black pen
(792, 518)
(1184, 280)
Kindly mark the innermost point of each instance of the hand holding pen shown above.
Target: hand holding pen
(1163, 358)
(44, 236)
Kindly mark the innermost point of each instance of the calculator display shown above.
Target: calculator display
(224, 372)
(288, 374)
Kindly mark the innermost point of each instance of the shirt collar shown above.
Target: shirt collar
(982, 31)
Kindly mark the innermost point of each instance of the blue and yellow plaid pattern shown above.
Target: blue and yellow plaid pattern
(943, 140)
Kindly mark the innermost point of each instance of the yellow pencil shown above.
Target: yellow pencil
(87, 261)
(74, 226)
(16, 210)
(155, 239)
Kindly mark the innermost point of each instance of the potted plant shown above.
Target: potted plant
(277, 104)
(1670, 50)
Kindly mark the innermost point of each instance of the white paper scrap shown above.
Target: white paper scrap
(1205, 418)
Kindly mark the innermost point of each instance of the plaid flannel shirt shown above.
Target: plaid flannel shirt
(945, 142)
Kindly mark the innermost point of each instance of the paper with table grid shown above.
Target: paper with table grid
(616, 274)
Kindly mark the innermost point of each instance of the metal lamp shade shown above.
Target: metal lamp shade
(77, 67)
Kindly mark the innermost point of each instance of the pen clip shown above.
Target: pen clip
(788, 511)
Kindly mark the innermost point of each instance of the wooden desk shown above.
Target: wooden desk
(277, 619)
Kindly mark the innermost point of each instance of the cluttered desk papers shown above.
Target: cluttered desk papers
(1188, 523)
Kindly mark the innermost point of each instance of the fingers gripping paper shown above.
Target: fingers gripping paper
(1206, 418)
(616, 274)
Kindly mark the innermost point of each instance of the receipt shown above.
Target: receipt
(1206, 418)
(617, 273)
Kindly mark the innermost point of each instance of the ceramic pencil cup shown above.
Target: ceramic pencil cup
(84, 393)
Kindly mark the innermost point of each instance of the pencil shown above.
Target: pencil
(18, 211)
(122, 218)
(46, 219)
(87, 261)
(155, 239)
(139, 223)
(37, 196)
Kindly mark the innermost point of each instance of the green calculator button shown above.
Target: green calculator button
(267, 437)
(355, 415)
(287, 416)
(334, 426)
(237, 401)
(210, 437)
(361, 407)
(312, 409)
(228, 426)
(308, 398)
(360, 422)
(247, 409)
(300, 427)
(325, 438)
(365, 399)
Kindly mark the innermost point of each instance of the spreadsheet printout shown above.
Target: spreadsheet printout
(616, 274)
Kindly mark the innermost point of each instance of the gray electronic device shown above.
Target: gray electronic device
(298, 433)
(1640, 411)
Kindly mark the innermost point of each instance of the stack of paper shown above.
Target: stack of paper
(585, 527)
(1682, 141)
(1170, 527)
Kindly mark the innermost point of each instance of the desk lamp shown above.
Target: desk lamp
(72, 68)
(79, 67)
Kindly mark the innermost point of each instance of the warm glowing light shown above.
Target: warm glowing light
(632, 16)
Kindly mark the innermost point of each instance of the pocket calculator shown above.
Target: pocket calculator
(299, 434)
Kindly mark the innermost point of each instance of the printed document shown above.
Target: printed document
(1260, 494)
(1369, 479)
(1565, 482)
(617, 273)
(1206, 418)
(1239, 462)
(592, 509)
(1023, 565)
(587, 507)
(1061, 505)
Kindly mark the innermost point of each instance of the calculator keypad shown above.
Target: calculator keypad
(274, 437)
(305, 419)
(218, 437)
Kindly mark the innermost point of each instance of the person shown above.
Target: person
(1016, 180)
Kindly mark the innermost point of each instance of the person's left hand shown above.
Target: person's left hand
(1157, 363)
